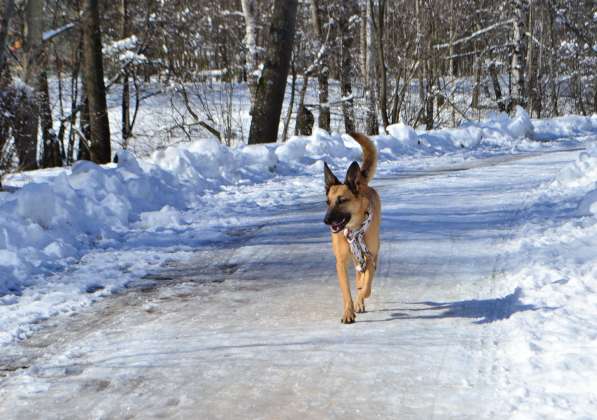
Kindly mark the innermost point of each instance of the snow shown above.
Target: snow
(553, 351)
(121, 45)
(485, 284)
(47, 35)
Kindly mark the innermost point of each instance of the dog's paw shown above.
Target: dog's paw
(348, 317)
(359, 306)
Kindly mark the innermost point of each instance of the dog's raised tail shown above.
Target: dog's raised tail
(369, 155)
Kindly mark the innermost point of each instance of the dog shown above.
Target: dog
(354, 215)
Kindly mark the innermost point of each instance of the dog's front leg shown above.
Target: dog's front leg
(349, 314)
(359, 305)
(365, 290)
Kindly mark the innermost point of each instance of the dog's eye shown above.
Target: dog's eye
(341, 200)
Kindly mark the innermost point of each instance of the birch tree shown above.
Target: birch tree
(370, 71)
(249, 8)
(520, 10)
(323, 69)
(348, 17)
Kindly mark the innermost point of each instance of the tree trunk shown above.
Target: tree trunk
(519, 92)
(381, 63)
(74, 105)
(291, 104)
(272, 83)
(476, 96)
(301, 105)
(430, 97)
(496, 87)
(99, 141)
(25, 129)
(252, 56)
(350, 9)
(323, 74)
(451, 68)
(372, 125)
(9, 7)
(553, 65)
(27, 115)
(126, 96)
(534, 102)
(6, 99)
(84, 132)
(51, 155)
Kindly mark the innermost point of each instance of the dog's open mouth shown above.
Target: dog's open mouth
(338, 226)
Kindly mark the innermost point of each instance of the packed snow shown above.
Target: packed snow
(72, 237)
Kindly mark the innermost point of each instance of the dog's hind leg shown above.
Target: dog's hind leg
(349, 315)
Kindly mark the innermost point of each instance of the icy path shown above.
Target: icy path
(251, 329)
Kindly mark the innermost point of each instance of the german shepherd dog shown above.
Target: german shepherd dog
(353, 214)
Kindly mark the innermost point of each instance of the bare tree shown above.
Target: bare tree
(520, 10)
(370, 70)
(272, 83)
(126, 96)
(6, 122)
(9, 7)
(93, 70)
(28, 107)
(323, 68)
(252, 56)
(347, 18)
(381, 59)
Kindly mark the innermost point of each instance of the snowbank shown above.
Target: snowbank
(556, 269)
(566, 126)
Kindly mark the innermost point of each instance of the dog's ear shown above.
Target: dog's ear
(352, 177)
(330, 178)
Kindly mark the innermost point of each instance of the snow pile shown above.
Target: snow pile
(121, 45)
(319, 146)
(45, 224)
(553, 347)
(499, 131)
(567, 126)
(577, 184)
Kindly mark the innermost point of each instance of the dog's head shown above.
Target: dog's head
(343, 199)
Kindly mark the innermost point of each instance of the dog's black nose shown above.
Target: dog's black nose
(327, 218)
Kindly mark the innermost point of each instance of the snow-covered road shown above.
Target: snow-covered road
(250, 327)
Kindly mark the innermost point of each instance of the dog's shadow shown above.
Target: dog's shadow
(482, 310)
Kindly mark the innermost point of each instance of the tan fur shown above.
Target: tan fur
(369, 155)
(357, 206)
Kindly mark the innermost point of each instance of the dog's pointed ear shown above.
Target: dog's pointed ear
(329, 177)
(352, 177)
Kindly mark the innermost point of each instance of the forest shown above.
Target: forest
(81, 79)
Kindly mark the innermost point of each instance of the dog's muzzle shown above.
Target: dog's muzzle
(336, 221)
